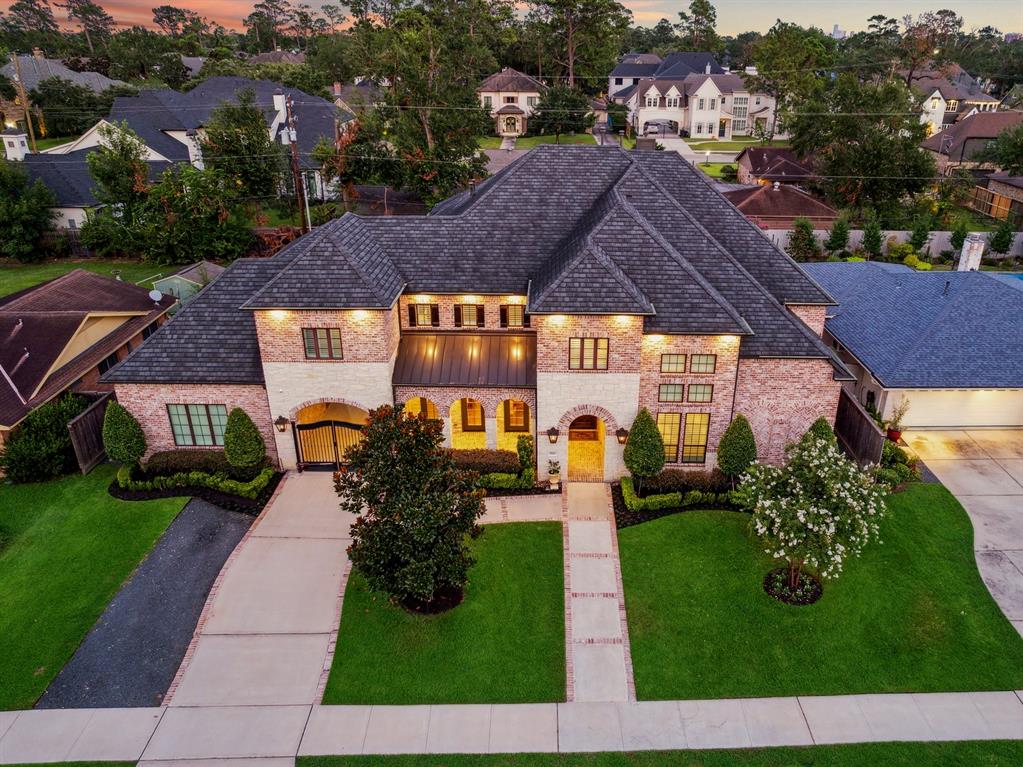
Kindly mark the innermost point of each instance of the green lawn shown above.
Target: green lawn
(15, 276)
(911, 615)
(713, 169)
(731, 146)
(975, 754)
(52, 141)
(70, 547)
(528, 142)
(504, 644)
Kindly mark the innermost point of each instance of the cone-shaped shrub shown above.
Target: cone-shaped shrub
(123, 438)
(821, 429)
(243, 444)
(644, 450)
(738, 447)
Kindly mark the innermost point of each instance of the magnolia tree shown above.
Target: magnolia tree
(815, 511)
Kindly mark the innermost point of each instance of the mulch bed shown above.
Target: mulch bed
(809, 590)
(217, 498)
(626, 518)
(537, 490)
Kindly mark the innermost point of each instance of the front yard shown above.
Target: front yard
(15, 276)
(911, 615)
(731, 146)
(66, 547)
(504, 644)
(528, 142)
(713, 169)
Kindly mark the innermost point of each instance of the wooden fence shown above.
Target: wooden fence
(858, 434)
(87, 433)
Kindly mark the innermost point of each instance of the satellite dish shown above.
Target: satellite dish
(155, 295)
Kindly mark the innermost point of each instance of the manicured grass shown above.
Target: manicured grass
(15, 276)
(993, 753)
(731, 146)
(911, 615)
(713, 169)
(70, 548)
(504, 644)
(528, 142)
(52, 141)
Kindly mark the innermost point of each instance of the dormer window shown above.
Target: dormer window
(672, 102)
(651, 101)
(469, 316)
(953, 106)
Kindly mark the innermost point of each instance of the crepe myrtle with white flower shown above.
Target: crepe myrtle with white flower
(816, 510)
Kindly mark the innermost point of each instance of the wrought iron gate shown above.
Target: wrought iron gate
(323, 444)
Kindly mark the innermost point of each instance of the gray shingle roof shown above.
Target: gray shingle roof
(35, 70)
(511, 80)
(68, 177)
(927, 329)
(579, 229)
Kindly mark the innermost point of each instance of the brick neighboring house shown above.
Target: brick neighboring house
(958, 144)
(511, 97)
(769, 165)
(64, 334)
(502, 314)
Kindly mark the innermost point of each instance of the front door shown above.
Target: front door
(322, 445)
(586, 449)
(722, 128)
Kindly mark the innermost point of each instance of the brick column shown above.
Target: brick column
(491, 426)
(447, 432)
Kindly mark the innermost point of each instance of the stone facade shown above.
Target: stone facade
(148, 403)
(782, 397)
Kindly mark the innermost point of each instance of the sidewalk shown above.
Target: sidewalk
(284, 732)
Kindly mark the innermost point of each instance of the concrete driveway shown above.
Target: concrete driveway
(984, 469)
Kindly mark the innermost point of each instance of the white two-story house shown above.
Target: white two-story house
(510, 97)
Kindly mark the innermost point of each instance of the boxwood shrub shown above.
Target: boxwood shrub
(486, 461)
(682, 481)
(127, 480)
(674, 500)
(208, 461)
(39, 448)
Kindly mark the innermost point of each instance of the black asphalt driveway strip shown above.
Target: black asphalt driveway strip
(130, 656)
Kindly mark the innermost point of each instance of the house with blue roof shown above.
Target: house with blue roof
(951, 343)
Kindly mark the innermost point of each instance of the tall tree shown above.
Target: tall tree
(1006, 151)
(277, 14)
(588, 34)
(561, 110)
(32, 16)
(26, 212)
(238, 144)
(697, 26)
(119, 169)
(790, 62)
(173, 21)
(70, 109)
(95, 22)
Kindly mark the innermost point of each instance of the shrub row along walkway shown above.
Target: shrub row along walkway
(265, 636)
(283, 732)
(598, 661)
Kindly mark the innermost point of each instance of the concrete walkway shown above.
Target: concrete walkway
(599, 665)
(159, 736)
(522, 508)
(983, 468)
(266, 633)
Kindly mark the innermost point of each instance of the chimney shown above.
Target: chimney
(706, 69)
(15, 142)
(337, 89)
(280, 106)
(37, 54)
(973, 249)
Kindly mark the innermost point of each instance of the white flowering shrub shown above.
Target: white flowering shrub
(816, 511)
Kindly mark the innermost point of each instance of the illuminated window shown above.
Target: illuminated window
(423, 315)
(472, 415)
(322, 343)
(703, 363)
(670, 392)
(587, 354)
(673, 363)
(701, 392)
(668, 424)
(469, 316)
(513, 316)
(516, 415)
(694, 444)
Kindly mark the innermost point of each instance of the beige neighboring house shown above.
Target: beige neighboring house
(948, 96)
(511, 98)
(700, 106)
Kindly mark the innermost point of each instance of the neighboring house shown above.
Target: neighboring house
(949, 95)
(66, 175)
(1002, 199)
(770, 164)
(777, 206)
(949, 342)
(701, 106)
(958, 144)
(1013, 98)
(356, 97)
(186, 282)
(511, 98)
(64, 334)
(171, 123)
(633, 67)
(277, 57)
(502, 314)
(193, 64)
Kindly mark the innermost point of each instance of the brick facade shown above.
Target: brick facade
(812, 316)
(782, 397)
(446, 309)
(444, 397)
(148, 403)
(366, 335)
(726, 352)
(624, 334)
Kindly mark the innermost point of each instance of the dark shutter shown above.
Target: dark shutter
(435, 315)
(480, 318)
(458, 315)
(504, 316)
(525, 319)
(411, 315)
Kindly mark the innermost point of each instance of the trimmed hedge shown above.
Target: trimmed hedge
(183, 461)
(39, 448)
(678, 500)
(682, 481)
(499, 480)
(219, 482)
(123, 438)
(486, 461)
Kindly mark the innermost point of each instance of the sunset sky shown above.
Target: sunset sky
(733, 15)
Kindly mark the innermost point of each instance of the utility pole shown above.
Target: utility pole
(23, 97)
(296, 169)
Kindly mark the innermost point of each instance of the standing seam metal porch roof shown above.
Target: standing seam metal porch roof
(466, 359)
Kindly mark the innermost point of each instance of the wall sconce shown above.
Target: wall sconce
(622, 435)
(281, 423)
(552, 434)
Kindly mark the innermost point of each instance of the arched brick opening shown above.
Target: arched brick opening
(293, 413)
(610, 424)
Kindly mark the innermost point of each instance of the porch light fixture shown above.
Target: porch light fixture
(552, 434)
(281, 423)
(622, 435)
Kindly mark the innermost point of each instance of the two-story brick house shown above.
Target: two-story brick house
(559, 297)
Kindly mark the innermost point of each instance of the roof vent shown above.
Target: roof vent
(948, 284)
(17, 326)
(777, 185)
(20, 362)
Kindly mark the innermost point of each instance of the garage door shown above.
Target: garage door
(953, 408)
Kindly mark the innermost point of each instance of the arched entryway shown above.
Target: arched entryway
(586, 449)
(324, 431)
